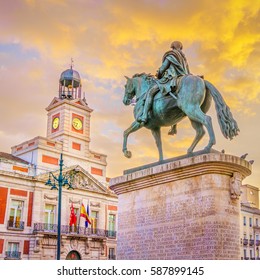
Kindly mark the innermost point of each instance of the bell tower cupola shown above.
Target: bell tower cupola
(70, 84)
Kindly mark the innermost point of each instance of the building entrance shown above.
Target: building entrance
(73, 255)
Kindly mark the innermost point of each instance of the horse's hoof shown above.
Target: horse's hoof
(171, 133)
(128, 154)
(207, 149)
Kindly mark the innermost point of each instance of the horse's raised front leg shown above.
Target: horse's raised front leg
(157, 136)
(134, 127)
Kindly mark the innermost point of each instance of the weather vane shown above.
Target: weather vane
(71, 63)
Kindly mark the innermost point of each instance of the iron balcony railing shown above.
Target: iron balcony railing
(14, 255)
(257, 242)
(245, 241)
(111, 233)
(43, 227)
(15, 225)
(251, 242)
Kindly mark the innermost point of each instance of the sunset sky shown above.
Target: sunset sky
(110, 39)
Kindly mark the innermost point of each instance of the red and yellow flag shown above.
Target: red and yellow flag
(85, 214)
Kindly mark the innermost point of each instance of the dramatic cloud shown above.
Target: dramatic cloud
(110, 39)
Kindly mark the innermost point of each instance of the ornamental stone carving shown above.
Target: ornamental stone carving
(50, 197)
(74, 243)
(86, 247)
(235, 184)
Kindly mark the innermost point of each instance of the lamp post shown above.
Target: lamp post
(62, 181)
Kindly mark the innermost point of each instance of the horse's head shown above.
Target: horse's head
(136, 86)
(129, 91)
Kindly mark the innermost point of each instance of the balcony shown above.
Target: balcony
(251, 242)
(12, 255)
(245, 241)
(53, 228)
(257, 242)
(15, 225)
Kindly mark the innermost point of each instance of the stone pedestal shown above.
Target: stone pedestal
(187, 208)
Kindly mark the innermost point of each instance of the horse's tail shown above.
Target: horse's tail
(227, 123)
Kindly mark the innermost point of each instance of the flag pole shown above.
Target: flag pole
(79, 219)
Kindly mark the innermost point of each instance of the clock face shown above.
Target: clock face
(55, 123)
(77, 123)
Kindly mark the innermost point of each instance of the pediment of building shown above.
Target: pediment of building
(81, 179)
(55, 101)
(80, 103)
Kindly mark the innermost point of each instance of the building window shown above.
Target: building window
(111, 225)
(244, 219)
(94, 221)
(250, 222)
(256, 222)
(251, 255)
(49, 217)
(251, 240)
(13, 251)
(245, 257)
(111, 254)
(15, 216)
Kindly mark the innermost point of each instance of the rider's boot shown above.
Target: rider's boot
(147, 107)
(173, 130)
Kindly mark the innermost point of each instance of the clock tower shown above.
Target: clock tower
(68, 132)
(69, 116)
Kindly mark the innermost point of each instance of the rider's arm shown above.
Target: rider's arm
(163, 68)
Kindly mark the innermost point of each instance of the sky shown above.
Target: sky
(112, 39)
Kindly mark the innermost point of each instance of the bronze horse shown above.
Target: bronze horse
(193, 101)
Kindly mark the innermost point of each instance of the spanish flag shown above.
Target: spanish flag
(85, 214)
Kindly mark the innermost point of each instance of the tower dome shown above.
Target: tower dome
(70, 77)
(70, 84)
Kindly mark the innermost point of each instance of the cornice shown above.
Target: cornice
(212, 163)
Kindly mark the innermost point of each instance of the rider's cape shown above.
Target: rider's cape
(178, 68)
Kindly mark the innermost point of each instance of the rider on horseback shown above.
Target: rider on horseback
(174, 65)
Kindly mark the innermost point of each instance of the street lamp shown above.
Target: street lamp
(65, 180)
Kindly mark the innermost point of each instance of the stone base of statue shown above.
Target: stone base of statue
(185, 208)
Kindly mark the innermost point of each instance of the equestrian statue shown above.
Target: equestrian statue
(170, 96)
